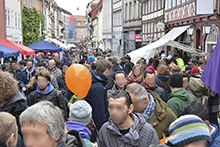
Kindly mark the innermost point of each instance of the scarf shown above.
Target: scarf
(133, 79)
(29, 74)
(150, 109)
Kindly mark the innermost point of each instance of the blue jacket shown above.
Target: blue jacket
(215, 137)
(97, 98)
(81, 128)
(23, 77)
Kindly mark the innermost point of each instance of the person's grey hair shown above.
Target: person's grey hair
(137, 90)
(46, 113)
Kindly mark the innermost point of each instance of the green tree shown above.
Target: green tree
(32, 20)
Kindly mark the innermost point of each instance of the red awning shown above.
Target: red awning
(23, 49)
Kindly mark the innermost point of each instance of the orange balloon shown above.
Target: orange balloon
(78, 80)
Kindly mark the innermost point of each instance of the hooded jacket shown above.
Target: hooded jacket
(215, 137)
(51, 95)
(178, 100)
(161, 81)
(66, 59)
(15, 107)
(115, 68)
(162, 117)
(83, 131)
(97, 98)
(23, 77)
(198, 88)
(141, 134)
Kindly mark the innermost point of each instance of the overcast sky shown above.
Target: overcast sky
(71, 6)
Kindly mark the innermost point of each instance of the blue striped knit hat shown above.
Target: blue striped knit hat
(188, 129)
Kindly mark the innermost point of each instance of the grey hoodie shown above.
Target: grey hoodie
(141, 134)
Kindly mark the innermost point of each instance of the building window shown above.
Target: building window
(148, 31)
(174, 3)
(131, 10)
(152, 27)
(12, 18)
(16, 20)
(24, 2)
(127, 12)
(78, 30)
(81, 36)
(159, 4)
(155, 5)
(178, 2)
(152, 5)
(79, 23)
(19, 21)
(183, 1)
(81, 30)
(148, 10)
(135, 9)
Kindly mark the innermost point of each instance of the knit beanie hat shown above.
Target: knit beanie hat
(176, 80)
(81, 112)
(186, 130)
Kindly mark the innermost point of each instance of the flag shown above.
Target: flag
(211, 73)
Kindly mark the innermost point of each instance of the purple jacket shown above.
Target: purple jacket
(81, 128)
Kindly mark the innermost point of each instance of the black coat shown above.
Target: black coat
(127, 67)
(62, 83)
(15, 107)
(161, 81)
(54, 96)
(161, 92)
(66, 59)
(97, 98)
(115, 68)
(16, 74)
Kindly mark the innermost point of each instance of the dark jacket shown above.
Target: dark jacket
(71, 141)
(160, 91)
(141, 134)
(214, 102)
(61, 83)
(97, 98)
(23, 77)
(2, 144)
(59, 65)
(215, 137)
(66, 59)
(16, 74)
(127, 67)
(15, 107)
(51, 95)
(162, 117)
(161, 81)
(115, 68)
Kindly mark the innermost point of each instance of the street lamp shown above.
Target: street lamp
(190, 31)
(206, 29)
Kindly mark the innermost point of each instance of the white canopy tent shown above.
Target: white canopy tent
(57, 42)
(71, 45)
(151, 49)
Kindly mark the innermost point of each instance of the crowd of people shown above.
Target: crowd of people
(159, 102)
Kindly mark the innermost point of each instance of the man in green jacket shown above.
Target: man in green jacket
(179, 97)
(152, 107)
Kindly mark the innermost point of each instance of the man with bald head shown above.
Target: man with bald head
(56, 72)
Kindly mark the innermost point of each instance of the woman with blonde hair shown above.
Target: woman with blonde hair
(136, 76)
